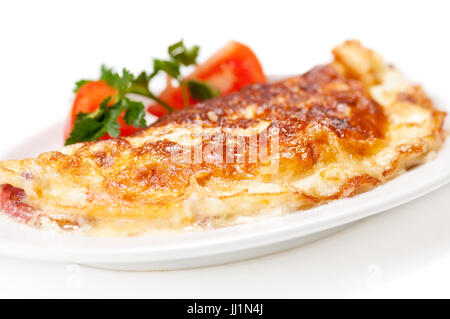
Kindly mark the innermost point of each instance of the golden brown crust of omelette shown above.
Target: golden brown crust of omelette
(339, 131)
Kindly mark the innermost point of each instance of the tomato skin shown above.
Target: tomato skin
(229, 70)
(88, 99)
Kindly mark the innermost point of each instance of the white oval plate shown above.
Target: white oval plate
(196, 249)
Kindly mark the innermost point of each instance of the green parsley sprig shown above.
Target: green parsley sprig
(104, 120)
(180, 56)
(93, 126)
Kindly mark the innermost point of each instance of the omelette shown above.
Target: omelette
(268, 150)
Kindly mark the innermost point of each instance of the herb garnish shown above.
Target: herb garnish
(93, 126)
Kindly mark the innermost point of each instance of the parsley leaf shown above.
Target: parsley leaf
(140, 84)
(108, 75)
(111, 126)
(114, 79)
(92, 126)
(85, 129)
(178, 52)
(172, 68)
(79, 84)
(202, 90)
(135, 113)
(95, 125)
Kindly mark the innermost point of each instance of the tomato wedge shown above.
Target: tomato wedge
(88, 99)
(230, 69)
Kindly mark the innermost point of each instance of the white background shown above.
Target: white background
(46, 46)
